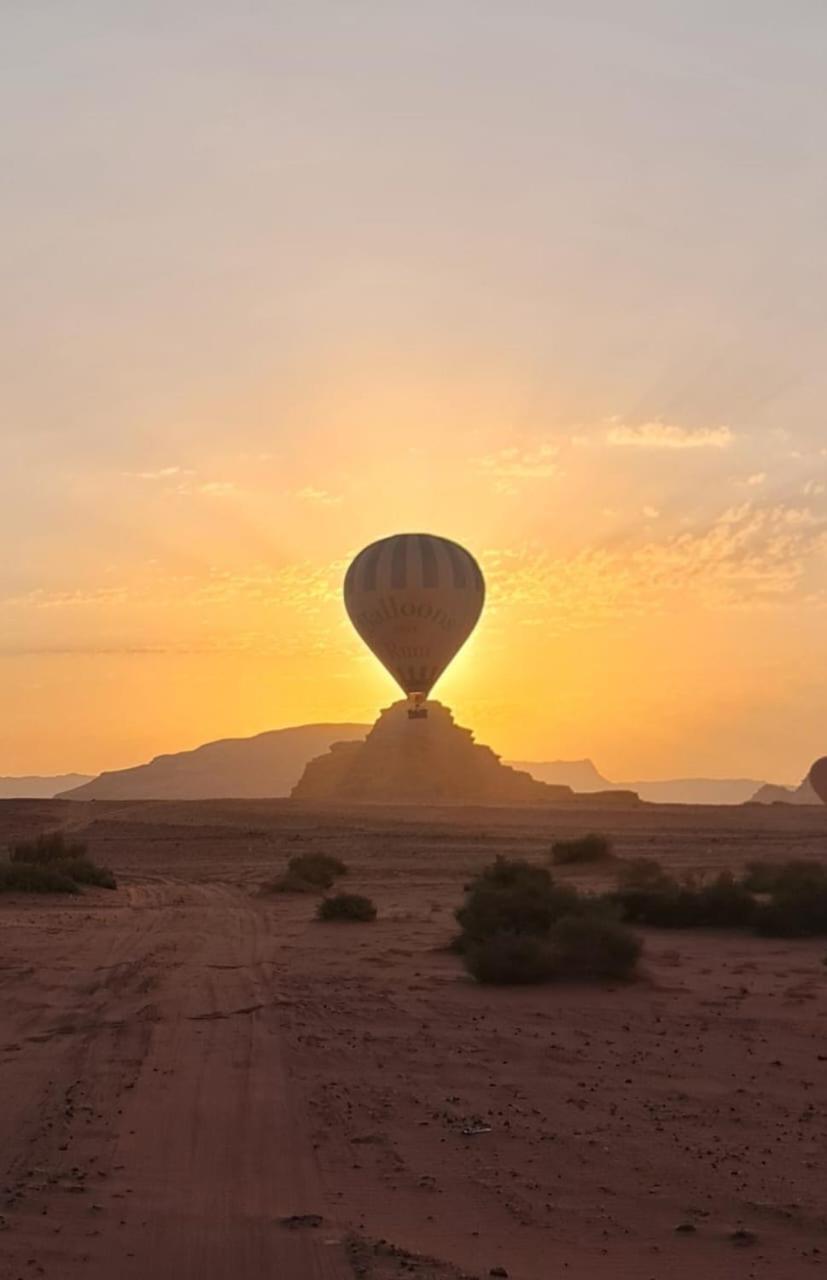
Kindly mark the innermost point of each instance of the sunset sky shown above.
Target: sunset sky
(548, 278)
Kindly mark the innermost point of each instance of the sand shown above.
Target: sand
(202, 1083)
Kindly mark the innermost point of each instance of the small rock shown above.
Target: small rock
(498, 1271)
(743, 1237)
(686, 1228)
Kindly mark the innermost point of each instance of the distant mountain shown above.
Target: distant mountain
(262, 767)
(771, 794)
(581, 775)
(696, 790)
(271, 764)
(39, 788)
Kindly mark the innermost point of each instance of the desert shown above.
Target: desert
(204, 1080)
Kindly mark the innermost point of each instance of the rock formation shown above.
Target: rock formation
(429, 761)
(772, 794)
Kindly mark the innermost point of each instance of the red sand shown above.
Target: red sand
(184, 1064)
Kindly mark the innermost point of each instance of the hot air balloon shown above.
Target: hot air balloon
(818, 778)
(414, 599)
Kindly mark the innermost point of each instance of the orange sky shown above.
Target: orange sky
(547, 283)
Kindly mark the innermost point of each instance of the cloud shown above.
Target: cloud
(319, 496)
(508, 466)
(663, 435)
(161, 473)
(218, 488)
(757, 479)
(186, 482)
(747, 556)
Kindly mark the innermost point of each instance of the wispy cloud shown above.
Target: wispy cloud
(160, 473)
(218, 488)
(664, 435)
(507, 467)
(320, 496)
(748, 555)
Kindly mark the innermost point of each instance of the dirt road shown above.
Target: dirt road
(149, 1128)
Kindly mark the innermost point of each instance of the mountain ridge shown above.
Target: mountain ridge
(41, 787)
(583, 775)
(269, 764)
(259, 767)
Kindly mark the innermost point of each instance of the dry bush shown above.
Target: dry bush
(50, 847)
(289, 882)
(35, 877)
(51, 859)
(590, 848)
(347, 906)
(797, 907)
(722, 903)
(511, 896)
(84, 871)
(320, 869)
(594, 947)
(506, 958)
(518, 926)
(643, 873)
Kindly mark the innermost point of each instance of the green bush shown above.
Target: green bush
(48, 848)
(35, 877)
(589, 848)
(592, 947)
(319, 869)
(513, 897)
(510, 958)
(347, 906)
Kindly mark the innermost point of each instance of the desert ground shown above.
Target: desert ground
(200, 1082)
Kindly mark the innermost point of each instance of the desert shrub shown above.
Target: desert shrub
(35, 877)
(510, 958)
(347, 906)
(795, 910)
(724, 903)
(592, 947)
(505, 873)
(590, 848)
(511, 896)
(718, 904)
(84, 871)
(760, 875)
(320, 869)
(289, 882)
(50, 847)
(643, 873)
(795, 874)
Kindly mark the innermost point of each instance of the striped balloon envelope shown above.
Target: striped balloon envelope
(414, 599)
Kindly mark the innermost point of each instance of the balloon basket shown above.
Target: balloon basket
(418, 713)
